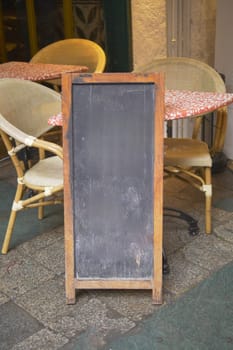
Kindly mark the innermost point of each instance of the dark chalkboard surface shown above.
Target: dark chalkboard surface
(113, 183)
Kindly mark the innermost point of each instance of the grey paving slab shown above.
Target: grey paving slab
(183, 274)
(47, 304)
(95, 315)
(3, 298)
(52, 257)
(12, 254)
(225, 232)
(131, 304)
(42, 241)
(19, 274)
(209, 252)
(135, 305)
(42, 340)
(16, 325)
(220, 216)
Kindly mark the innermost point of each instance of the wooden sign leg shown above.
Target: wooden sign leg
(70, 293)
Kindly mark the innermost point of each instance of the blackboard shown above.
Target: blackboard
(113, 146)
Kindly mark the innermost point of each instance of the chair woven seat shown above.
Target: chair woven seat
(47, 172)
(186, 153)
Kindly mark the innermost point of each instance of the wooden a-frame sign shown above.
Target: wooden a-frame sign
(113, 181)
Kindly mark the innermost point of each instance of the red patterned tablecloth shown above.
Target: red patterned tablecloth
(37, 71)
(182, 104)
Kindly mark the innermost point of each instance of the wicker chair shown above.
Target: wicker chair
(190, 159)
(24, 111)
(73, 51)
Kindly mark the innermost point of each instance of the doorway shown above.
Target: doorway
(26, 26)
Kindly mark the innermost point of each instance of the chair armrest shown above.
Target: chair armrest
(29, 140)
(48, 146)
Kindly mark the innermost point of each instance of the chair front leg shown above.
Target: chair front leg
(208, 200)
(41, 210)
(15, 208)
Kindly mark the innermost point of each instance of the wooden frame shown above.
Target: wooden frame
(72, 82)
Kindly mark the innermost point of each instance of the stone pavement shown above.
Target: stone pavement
(33, 312)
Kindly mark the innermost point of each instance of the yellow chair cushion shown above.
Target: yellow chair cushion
(186, 152)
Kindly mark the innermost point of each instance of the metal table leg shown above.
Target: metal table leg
(179, 214)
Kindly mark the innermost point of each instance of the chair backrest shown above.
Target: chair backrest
(28, 105)
(73, 51)
(184, 73)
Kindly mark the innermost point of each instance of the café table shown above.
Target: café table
(37, 71)
(181, 104)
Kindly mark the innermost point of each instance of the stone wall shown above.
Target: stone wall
(149, 30)
(203, 23)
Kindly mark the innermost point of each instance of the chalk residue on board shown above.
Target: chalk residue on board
(131, 197)
(136, 253)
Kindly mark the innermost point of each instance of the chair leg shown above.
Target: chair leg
(11, 222)
(9, 230)
(40, 212)
(208, 200)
